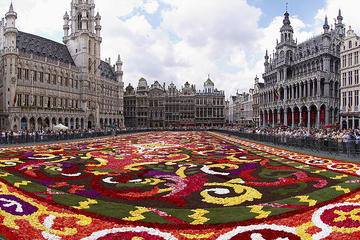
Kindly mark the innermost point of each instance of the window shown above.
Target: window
(356, 100)
(350, 99)
(26, 100)
(344, 80)
(41, 77)
(356, 57)
(54, 79)
(344, 99)
(26, 73)
(350, 44)
(61, 80)
(19, 73)
(19, 100)
(356, 73)
(35, 100)
(344, 61)
(48, 78)
(76, 84)
(350, 78)
(54, 101)
(350, 59)
(34, 76)
(41, 101)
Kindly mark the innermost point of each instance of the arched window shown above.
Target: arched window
(79, 21)
(89, 65)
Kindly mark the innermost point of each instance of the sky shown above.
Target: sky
(186, 40)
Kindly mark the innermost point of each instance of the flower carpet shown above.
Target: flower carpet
(175, 185)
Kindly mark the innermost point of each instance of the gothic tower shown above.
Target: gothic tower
(10, 58)
(84, 41)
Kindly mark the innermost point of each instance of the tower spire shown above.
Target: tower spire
(326, 25)
(340, 18)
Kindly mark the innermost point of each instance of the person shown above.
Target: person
(347, 140)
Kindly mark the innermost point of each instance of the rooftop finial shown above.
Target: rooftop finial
(287, 6)
(11, 9)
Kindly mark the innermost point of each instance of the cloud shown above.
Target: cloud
(151, 6)
(189, 40)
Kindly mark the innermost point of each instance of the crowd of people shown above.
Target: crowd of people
(345, 139)
(26, 136)
(327, 138)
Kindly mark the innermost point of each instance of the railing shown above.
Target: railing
(317, 145)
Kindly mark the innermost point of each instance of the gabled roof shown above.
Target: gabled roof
(43, 47)
(107, 71)
(208, 82)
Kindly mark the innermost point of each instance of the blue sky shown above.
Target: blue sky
(185, 40)
(304, 9)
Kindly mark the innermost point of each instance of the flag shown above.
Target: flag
(276, 94)
(348, 108)
(15, 98)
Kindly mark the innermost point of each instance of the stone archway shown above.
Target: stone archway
(313, 116)
(24, 123)
(47, 123)
(282, 116)
(322, 115)
(77, 123)
(289, 117)
(91, 121)
(39, 124)
(66, 122)
(72, 123)
(304, 114)
(296, 116)
(32, 126)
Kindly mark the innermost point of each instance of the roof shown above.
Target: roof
(43, 47)
(107, 71)
(208, 82)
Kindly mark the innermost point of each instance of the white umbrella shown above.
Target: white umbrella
(60, 127)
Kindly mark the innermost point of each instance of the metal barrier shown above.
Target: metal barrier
(317, 145)
(325, 145)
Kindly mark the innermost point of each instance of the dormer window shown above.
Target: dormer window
(350, 44)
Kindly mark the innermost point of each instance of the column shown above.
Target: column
(327, 114)
(273, 118)
(347, 122)
(318, 119)
(292, 118)
(285, 117)
(353, 122)
(301, 116)
(308, 86)
(279, 120)
(285, 93)
(341, 122)
(309, 118)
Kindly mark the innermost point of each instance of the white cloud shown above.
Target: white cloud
(151, 6)
(221, 39)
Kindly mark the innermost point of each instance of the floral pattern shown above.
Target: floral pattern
(175, 185)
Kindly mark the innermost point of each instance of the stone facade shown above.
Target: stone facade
(243, 109)
(301, 81)
(44, 83)
(156, 106)
(350, 85)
